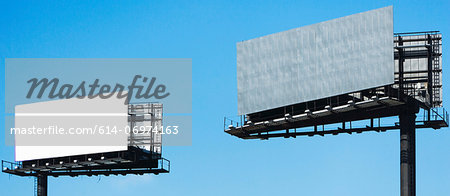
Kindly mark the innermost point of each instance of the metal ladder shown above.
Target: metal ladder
(35, 185)
(436, 70)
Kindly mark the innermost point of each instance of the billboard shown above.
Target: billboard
(316, 61)
(70, 127)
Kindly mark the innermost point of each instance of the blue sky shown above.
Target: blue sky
(207, 31)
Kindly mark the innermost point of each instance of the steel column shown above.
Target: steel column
(407, 154)
(41, 185)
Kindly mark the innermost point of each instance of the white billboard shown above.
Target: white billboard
(70, 127)
(316, 61)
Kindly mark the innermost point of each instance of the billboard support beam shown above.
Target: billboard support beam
(407, 153)
(41, 189)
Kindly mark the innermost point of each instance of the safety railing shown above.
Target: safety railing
(164, 164)
(6, 165)
(436, 114)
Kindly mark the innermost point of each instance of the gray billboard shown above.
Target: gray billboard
(316, 61)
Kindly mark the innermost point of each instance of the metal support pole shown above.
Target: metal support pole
(407, 154)
(41, 185)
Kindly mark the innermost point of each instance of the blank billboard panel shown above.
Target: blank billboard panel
(325, 59)
(70, 127)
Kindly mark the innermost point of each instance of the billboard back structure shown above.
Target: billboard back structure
(325, 59)
(146, 121)
(422, 73)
